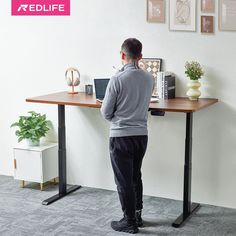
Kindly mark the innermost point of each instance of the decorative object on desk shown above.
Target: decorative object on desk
(166, 85)
(156, 11)
(153, 66)
(32, 128)
(89, 89)
(208, 6)
(73, 79)
(227, 15)
(207, 24)
(194, 71)
(182, 15)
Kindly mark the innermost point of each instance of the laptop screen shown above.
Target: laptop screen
(100, 87)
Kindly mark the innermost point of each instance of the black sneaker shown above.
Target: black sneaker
(139, 220)
(125, 225)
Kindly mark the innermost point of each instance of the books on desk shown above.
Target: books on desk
(166, 85)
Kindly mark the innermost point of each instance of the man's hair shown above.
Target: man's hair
(132, 48)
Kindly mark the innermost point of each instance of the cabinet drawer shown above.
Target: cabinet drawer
(28, 165)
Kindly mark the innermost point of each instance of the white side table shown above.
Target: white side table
(36, 164)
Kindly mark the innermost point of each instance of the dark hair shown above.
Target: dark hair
(132, 48)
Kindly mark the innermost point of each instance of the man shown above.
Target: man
(126, 105)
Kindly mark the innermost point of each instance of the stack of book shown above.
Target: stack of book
(165, 85)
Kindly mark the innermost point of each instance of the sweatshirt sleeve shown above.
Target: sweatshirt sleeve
(109, 102)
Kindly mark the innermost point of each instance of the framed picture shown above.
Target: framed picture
(227, 15)
(153, 66)
(156, 11)
(208, 6)
(182, 15)
(207, 24)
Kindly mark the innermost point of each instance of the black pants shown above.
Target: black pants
(126, 157)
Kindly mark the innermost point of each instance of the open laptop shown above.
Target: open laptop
(100, 88)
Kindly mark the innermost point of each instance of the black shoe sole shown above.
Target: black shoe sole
(130, 231)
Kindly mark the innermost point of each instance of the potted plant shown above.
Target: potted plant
(194, 71)
(31, 128)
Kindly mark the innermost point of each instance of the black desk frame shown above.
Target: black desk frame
(63, 190)
(188, 207)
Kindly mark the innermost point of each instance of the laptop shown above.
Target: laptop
(100, 88)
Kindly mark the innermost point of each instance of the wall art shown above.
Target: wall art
(156, 11)
(227, 15)
(182, 15)
(208, 6)
(207, 24)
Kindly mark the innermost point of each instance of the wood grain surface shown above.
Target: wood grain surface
(82, 99)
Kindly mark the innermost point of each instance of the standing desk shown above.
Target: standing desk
(183, 105)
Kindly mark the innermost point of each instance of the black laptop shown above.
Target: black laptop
(100, 88)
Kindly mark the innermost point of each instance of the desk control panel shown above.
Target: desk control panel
(157, 113)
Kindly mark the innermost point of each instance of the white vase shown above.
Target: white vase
(193, 92)
(30, 143)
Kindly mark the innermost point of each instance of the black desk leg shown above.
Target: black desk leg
(188, 207)
(63, 191)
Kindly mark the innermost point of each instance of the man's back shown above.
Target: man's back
(127, 100)
(126, 105)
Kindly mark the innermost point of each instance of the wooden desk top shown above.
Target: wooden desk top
(81, 99)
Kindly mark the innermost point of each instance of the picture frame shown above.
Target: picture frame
(207, 24)
(156, 12)
(182, 15)
(153, 66)
(208, 6)
(227, 15)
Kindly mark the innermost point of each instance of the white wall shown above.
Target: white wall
(35, 52)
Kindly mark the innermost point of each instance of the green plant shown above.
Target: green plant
(194, 70)
(31, 127)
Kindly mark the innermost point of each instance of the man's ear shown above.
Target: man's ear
(140, 56)
(122, 56)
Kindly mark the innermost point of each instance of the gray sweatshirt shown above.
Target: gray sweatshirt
(127, 101)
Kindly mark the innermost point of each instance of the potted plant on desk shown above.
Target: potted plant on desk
(194, 71)
(31, 128)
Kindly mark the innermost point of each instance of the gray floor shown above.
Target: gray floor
(89, 212)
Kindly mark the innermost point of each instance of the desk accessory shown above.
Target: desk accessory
(73, 79)
(194, 71)
(166, 85)
(153, 66)
(153, 100)
(100, 88)
(89, 89)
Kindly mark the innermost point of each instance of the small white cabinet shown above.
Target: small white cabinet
(36, 164)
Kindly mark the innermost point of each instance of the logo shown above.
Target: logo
(40, 7)
(22, 7)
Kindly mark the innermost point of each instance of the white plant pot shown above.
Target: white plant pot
(30, 143)
(193, 92)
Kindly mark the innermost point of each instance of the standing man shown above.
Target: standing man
(126, 106)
